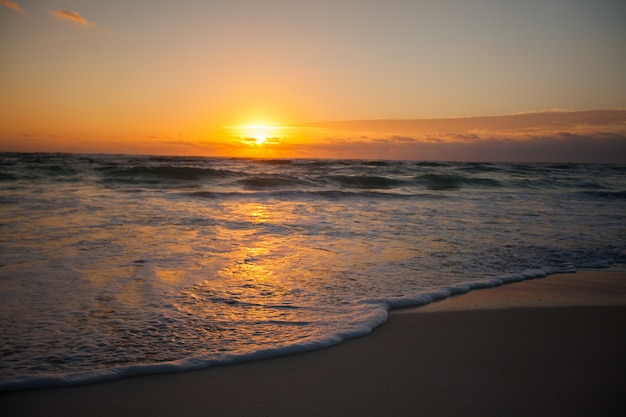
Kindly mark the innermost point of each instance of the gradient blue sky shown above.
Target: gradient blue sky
(182, 76)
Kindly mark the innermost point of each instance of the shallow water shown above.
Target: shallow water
(113, 265)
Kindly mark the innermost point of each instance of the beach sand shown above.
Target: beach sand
(546, 347)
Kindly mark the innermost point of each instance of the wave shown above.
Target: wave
(406, 177)
(378, 163)
(366, 315)
(611, 195)
(480, 167)
(274, 161)
(165, 172)
(432, 164)
(365, 181)
(310, 194)
(7, 176)
(308, 180)
(453, 182)
(270, 181)
(37, 168)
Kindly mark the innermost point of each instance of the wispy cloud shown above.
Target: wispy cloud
(466, 128)
(72, 16)
(11, 5)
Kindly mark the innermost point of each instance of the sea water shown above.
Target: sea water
(116, 265)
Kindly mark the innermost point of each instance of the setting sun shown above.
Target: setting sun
(258, 134)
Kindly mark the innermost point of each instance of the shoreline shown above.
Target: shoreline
(544, 346)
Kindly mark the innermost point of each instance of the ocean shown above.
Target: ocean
(114, 265)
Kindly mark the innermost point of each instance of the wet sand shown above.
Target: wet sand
(553, 346)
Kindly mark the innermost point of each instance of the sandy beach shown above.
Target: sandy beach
(552, 346)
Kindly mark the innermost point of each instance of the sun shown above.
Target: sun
(260, 138)
(258, 134)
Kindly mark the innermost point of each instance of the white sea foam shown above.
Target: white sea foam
(364, 318)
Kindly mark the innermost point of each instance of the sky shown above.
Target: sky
(490, 80)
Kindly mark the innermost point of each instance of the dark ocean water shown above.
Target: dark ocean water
(115, 265)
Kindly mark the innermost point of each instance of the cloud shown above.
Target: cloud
(552, 136)
(577, 136)
(72, 16)
(11, 5)
(467, 137)
(563, 147)
(468, 128)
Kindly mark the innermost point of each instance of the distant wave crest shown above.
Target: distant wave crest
(165, 172)
(365, 181)
(452, 182)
